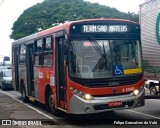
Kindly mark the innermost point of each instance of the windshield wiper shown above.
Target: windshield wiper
(96, 46)
(99, 49)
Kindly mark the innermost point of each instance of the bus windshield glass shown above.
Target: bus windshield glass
(97, 58)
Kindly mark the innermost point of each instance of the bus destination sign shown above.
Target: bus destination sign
(104, 28)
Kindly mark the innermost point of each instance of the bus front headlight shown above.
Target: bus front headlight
(138, 91)
(87, 96)
(81, 94)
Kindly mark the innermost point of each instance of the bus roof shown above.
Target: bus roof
(66, 27)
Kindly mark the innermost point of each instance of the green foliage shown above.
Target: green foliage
(52, 12)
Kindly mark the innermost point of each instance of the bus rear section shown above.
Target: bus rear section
(82, 67)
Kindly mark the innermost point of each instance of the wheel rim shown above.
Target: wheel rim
(153, 91)
(51, 102)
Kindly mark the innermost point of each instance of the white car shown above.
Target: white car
(7, 79)
(7, 63)
(1, 73)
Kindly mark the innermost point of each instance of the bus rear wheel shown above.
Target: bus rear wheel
(51, 104)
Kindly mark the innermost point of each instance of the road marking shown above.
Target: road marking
(143, 114)
(14, 97)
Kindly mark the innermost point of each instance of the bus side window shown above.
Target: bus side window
(48, 52)
(22, 54)
(39, 52)
(39, 45)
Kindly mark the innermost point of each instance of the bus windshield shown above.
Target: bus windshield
(97, 58)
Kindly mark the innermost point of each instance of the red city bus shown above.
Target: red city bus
(81, 67)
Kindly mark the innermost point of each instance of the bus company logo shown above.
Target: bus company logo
(114, 90)
(6, 122)
(158, 29)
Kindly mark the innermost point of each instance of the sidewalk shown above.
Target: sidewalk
(11, 109)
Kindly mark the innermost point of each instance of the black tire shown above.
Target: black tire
(3, 87)
(153, 91)
(24, 97)
(51, 104)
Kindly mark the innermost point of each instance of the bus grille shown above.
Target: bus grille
(116, 82)
(109, 82)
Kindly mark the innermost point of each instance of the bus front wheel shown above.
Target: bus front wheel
(51, 104)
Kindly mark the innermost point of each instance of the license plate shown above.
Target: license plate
(115, 103)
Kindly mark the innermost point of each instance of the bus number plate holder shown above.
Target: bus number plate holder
(115, 103)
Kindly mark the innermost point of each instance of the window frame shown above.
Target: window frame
(38, 53)
(22, 54)
(47, 52)
(43, 52)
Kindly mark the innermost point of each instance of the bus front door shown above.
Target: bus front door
(60, 74)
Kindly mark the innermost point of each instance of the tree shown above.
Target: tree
(52, 12)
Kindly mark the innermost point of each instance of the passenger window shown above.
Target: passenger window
(39, 52)
(38, 59)
(48, 60)
(48, 44)
(48, 52)
(39, 46)
(44, 52)
(22, 54)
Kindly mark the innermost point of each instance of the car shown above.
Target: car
(1, 72)
(6, 63)
(6, 79)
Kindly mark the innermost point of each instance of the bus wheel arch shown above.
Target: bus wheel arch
(50, 102)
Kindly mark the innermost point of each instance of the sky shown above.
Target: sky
(10, 10)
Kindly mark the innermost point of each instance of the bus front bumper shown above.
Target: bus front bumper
(101, 104)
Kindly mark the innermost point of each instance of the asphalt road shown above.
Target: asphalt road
(12, 107)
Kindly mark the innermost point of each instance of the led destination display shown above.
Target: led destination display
(104, 28)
